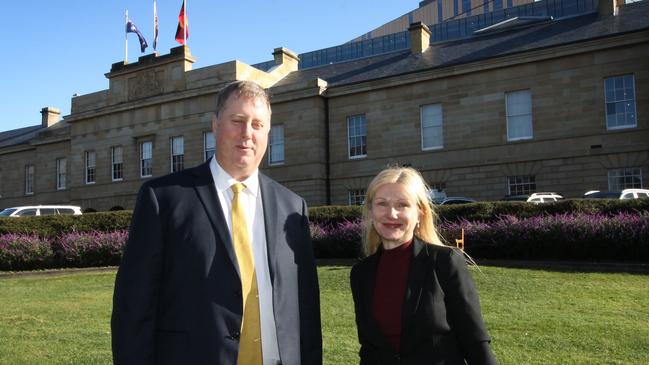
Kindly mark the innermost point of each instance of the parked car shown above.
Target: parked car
(596, 194)
(624, 194)
(437, 196)
(34, 210)
(634, 194)
(545, 197)
(456, 200)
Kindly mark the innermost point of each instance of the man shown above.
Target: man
(178, 292)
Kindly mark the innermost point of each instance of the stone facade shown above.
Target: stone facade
(159, 97)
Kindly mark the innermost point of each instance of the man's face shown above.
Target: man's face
(241, 133)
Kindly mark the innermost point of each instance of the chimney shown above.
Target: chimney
(419, 37)
(284, 56)
(50, 116)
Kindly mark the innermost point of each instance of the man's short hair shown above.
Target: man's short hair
(240, 88)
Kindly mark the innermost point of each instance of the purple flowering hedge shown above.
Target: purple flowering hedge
(24, 252)
(337, 240)
(591, 231)
(579, 236)
(91, 249)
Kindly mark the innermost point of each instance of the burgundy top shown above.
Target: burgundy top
(390, 291)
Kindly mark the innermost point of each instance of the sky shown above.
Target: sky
(54, 49)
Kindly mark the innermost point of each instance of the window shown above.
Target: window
(90, 167)
(177, 154)
(27, 212)
(356, 197)
(146, 159)
(29, 179)
(357, 136)
(441, 186)
(60, 173)
(519, 115)
(431, 126)
(276, 144)
(117, 163)
(620, 102)
(522, 185)
(625, 178)
(209, 145)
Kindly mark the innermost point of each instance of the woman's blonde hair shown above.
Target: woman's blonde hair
(416, 187)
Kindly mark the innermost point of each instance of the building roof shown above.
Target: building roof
(512, 40)
(19, 136)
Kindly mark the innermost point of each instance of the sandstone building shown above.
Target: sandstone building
(554, 98)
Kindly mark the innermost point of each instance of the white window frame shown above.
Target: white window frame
(177, 153)
(355, 196)
(29, 179)
(144, 159)
(276, 145)
(619, 94)
(117, 163)
(61, 173)
(624, 174)
(209, 145)
(357, 133)
(91, 167)
(512, 113)
(434, 122)
(523, 180)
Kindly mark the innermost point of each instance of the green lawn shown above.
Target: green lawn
(535, 317)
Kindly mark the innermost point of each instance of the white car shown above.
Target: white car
(34, 210)
(538, 198)
(634, 194)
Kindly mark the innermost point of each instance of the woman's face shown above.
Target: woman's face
(395, 214)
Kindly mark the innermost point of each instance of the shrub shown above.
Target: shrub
(337, 240)
(578, 236)
(24, 252)
(334, 214)
(52, 226)
(490, 211)
(86, 249)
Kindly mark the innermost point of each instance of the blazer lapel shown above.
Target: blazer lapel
(415, 284)
(206, 192)
(269, 204)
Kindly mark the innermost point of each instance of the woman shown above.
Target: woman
(414, 298)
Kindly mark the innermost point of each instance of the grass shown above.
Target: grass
(534, 316)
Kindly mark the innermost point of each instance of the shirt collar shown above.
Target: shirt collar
(223, 180)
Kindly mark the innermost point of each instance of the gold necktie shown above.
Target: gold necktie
(250, 339)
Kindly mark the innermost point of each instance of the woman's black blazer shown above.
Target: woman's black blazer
(441, 319)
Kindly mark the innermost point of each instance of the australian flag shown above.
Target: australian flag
(131, 28)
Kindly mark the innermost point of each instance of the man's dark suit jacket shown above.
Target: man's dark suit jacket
(177, 293)
(441, 319)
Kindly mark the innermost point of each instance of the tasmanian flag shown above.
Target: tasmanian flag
(131, 28)
(182, 32)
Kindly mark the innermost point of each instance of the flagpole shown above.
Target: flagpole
(186, 25)
(125, 37)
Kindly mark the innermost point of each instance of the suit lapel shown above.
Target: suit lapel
(415, 284)
(206, 192)
(269, 204)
